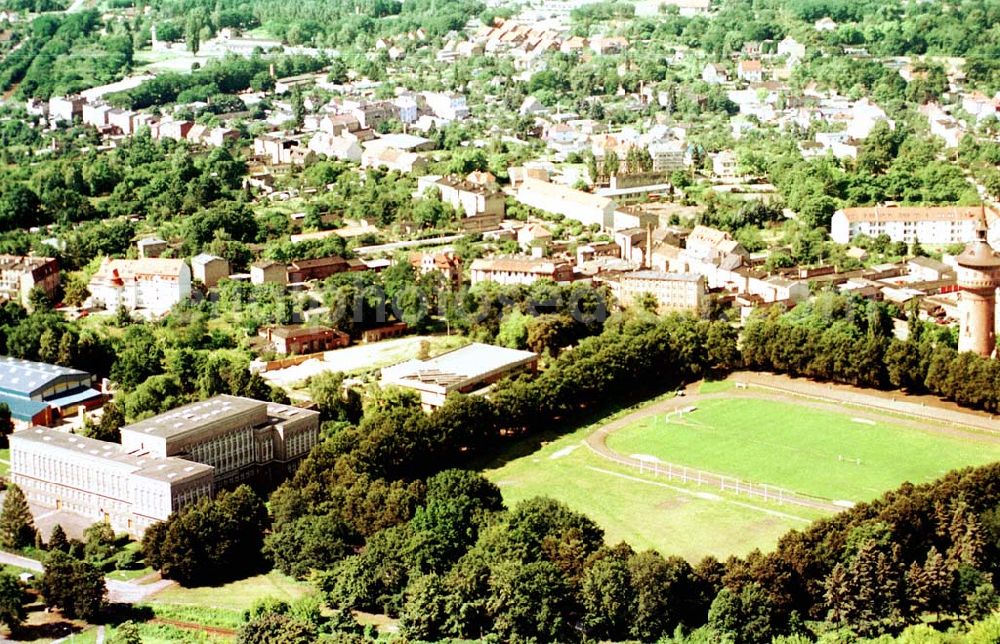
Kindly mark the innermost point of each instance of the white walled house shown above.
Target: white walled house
(153, 284)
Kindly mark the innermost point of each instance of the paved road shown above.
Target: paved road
(119, 592)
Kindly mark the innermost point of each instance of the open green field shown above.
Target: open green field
(236, 596)
(804, 449)
(645, 512)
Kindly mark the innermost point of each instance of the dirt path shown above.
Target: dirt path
(912, 412)
(191, 626)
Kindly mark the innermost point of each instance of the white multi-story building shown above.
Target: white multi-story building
(407, 106)
(153, 284)
(926, 225)
(668, 156)
(673, 291)
(581, 206)
(981, 106)
(164, 462)
(447, 105)
(66, 108)
(793, 49)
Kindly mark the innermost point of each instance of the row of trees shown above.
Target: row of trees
(845, 339)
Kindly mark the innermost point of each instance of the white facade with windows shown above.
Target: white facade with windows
(163, 463)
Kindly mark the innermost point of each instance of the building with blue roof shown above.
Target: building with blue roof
(40, 394)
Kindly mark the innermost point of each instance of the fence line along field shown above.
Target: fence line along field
(839, 455)
(643, 510)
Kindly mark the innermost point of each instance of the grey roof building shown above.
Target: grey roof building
(163, 462)
(40, 393)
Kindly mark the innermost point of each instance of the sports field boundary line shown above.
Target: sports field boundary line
(700, 495)
(835, 394)
(694, 476)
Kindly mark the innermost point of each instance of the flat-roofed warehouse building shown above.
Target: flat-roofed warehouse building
(163, 462)
(101, 480)
(39, 393)
(464, 370)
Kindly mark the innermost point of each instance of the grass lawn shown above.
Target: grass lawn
(830, 454)
(236, 596)
(4, 461)
(676, 520)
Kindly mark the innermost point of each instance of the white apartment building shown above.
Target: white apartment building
(668, 156)
(926, 225)
(154, 284)
(447, 105)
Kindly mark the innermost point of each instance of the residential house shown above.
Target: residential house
(209, 269)
(218, 136)
(750, 71)
(66, 108)
(95, 115)
(573, 45)
(408, 108)
(448, 264)
(336, 147)
(608, 45)
(277, 148)
(519, 270)
(825, 24)
(305, 270)
(792, 49)
(668, 155)
(533, 235)
(714, 74)
(976, 104)
(725, 166)
(393, 159)
(150, 247)
(864, 115)
(481, 206)
(338, 124)
(121, 120)
(447, 105)
(20, 274)
(268, 272)
(712, 244)
(301, 340)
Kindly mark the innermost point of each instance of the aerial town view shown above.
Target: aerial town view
(520, 321)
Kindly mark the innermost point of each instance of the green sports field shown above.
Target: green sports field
(645, 512)
(825, 453)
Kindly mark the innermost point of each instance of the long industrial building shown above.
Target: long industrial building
(164, 462)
